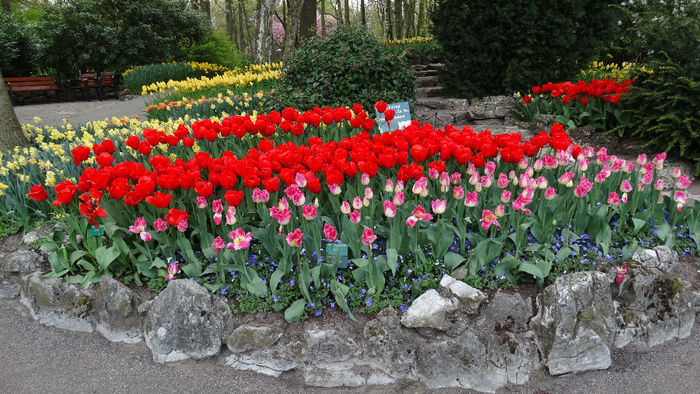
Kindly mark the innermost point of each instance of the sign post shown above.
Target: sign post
(402, 118)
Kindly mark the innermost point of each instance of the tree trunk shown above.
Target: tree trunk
(389, 24)
(409, 13)
(206, 8)
(230, 21)
(421, 15)
(263, 38)
(398, 19)
(6, 6)
(323, 17)
(241, 25)
(339, 12)
(347, 12)
(11, 134)
(307, 20)
(292, 29)
(362, 13)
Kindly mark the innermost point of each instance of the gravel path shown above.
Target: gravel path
(81, 112)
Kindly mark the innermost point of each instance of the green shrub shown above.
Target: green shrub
(215, 48)
(427, 46)
(349, 66)
(664, 106)
(18, 48)
(146, 75)
(111, 35)
(498, 47)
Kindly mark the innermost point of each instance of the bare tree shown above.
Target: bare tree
(291, 30)
(263, 37)
(398, 18)
(11, 134)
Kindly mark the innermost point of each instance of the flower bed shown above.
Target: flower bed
(205, 107)
(251, 207)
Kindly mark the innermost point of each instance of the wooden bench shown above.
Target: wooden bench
(97, 81)
(30, 84)
(106, 80)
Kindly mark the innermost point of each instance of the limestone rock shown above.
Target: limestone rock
(491, 107)
(9, 290)
(270, 361)
(391, 344)
(248, 337)
(575, 323)
(429, 310)
(469, 297)
(185, 321)
(328, 346)
(56, 303)
(654, 305)
(33, 236)
(345, 375)
(116, 312)
(21, 262)
(507, 311)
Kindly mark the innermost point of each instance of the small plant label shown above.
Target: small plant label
(402, 118)
(96, 232)
(338, 252)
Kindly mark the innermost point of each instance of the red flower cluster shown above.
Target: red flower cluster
(608, 89)
(405, 151)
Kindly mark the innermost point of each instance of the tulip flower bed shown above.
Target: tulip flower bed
(205, 107)
(597, 103)
(254, 207)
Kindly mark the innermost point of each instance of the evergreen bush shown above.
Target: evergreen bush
(346, 67)
(498, 47)
(216, 48)
(18, 48)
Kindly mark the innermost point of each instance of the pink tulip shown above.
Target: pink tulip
(411, 221)
(389, 186)
(472, 199)
(625, 186)
(345, 207)
(357, 203)
(627, 167)
(231, 215)
(399, 199)
(683, 182)
(241, 239)
(160, 225)
(490, 168)
(300, 179)
(642, 159)
(614, 199)
(542, 182)
(334, 189)
(550, 193)
(420, 214)
(538, 165)
(389, 209)
(458, 192)
(505, 196)
(172, 270)
(139, 226)
(488, 218)
(399, 187)
(621, 271)
(295, 238)
(567, 179)
(217, 218)
(355, 216)
(369, 194)
(503, 180)
(500, 211)
(330, 232)
(260, 195)
(583, 187)
(456, 178)
(216, 206)
(659, 184)
(218, 244)
(309, 212)
(433, 173)
(201, 202)
(364, 179)
(439, 206)
(676, 172)
(368, 237)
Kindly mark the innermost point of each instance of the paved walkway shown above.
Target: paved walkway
(81, 112)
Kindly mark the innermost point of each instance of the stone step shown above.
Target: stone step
(431, 66)
(430, 92)
(426, 73)
(426, 81)
(438, 103)
(441, 118)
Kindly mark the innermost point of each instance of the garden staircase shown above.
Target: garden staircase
(496, 113)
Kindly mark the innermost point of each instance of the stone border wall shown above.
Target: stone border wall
(455, 336)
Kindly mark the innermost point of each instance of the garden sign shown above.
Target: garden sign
(402, 118)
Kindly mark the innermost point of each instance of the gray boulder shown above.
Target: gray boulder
(469, 298)
(56, 303)
(653, 304)
(116, 312)
(391, 344)
(21, 262)
(429, 310)
(491, 107)
(575, 323)
(506, 312)
(33, 236)
(248, 337)
(8, 290)
(272, 361)
(185, 321)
